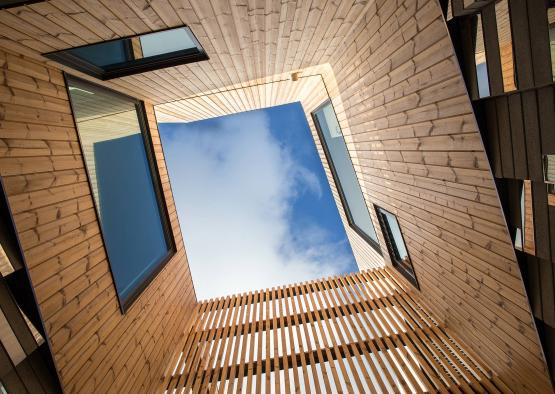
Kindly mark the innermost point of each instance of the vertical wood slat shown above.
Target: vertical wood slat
(521, 43)
(505, 141)
(518, 137)
(360, 330)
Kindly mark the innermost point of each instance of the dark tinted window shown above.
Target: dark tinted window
(344, 173)
(131, 55)
(124, 184)
(396, 244)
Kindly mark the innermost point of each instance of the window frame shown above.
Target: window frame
(350, 220)
(390, 242)
(136, 66)
(150, 155)
(20, 3)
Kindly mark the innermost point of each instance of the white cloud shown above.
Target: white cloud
(233, 191)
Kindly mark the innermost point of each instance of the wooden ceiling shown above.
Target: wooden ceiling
(245, 40)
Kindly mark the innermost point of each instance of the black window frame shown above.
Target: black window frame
(393, 254)
(131, 67)
(156, 183)
(375, 245)
(20, 3)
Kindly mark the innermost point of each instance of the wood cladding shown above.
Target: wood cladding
(353, 333)
(407, 120)
(519, 130)
(95, 347)
(421, 156)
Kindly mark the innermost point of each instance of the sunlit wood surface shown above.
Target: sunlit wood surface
(360, 332)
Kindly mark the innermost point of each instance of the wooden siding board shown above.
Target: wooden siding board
(539, 41)
(492, 137)
(518, 137)
(546, 107)
(521, 43)
(505, 140)
(533, 140)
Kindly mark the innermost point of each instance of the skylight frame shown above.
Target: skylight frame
(135, 66)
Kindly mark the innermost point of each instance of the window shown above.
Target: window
(132, 55)
(344, 174)
(396, 245)
(125, 185)
(480, 59)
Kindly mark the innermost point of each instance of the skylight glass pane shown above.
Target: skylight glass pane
(166, 42)
(132, 55)
(344, 172)
(121, 182)
(104, 54)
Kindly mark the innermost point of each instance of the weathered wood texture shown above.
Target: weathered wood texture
(402, 106)
(96, 348)
(353, 333)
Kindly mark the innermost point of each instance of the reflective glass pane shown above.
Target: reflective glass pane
(112, 53)
(121, 182)
(166, 42)
(481, 65)
(397, 239)
(131, 55)
(396, 245)
(345, 175)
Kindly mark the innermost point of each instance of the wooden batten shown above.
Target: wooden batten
(354, 333)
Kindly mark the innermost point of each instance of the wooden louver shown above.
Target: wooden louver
(355, 333)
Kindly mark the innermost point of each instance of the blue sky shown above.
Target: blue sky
(253, 201)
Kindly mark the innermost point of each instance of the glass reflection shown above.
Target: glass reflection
(121, 182)
(480, 60)
(111, 54)
(344, 172)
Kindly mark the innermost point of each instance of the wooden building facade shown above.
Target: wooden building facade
(417, 133)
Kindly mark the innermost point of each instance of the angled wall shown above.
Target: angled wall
(95, 347)
(420, 156)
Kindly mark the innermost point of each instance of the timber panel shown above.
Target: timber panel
(95, 347)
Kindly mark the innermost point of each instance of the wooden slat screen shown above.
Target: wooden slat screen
(359, 332)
